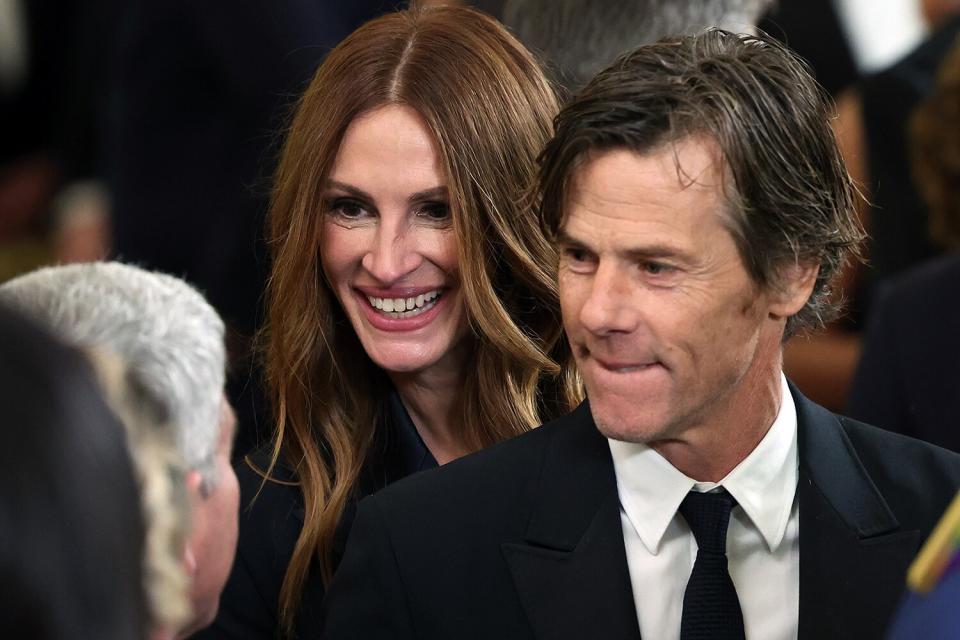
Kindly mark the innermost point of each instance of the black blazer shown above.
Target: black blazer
(524, 540)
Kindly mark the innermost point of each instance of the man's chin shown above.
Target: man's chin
(625, 427)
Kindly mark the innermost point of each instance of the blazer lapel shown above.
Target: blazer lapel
(571, 574)
(853, 552)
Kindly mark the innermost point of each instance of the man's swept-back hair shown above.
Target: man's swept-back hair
(790, 198)
(489, 109)
(578, 38)
(169, 336)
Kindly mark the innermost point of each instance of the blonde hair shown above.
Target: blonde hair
(490, 110)
(160, 474)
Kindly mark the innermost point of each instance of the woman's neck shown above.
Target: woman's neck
(430, 399)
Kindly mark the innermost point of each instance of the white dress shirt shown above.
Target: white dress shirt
(763, 538)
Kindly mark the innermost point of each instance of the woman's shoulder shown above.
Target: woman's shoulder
(268, 492)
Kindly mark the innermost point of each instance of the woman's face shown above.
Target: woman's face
(388, 248)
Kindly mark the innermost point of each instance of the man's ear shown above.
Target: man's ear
(195, 487)
(794, 289)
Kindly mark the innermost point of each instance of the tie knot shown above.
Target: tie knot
(708, 515)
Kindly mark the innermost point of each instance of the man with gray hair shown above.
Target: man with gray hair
(577, 38)
(172, 342)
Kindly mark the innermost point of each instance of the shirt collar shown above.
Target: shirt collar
(764, 483)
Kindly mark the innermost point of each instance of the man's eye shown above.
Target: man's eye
(574, 254)
(655, 268)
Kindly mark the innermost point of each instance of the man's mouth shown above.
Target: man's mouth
(625, 367)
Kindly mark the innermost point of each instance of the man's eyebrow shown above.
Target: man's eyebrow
(565, 239)
(658, 250)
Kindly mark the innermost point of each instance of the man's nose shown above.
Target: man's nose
(610, 305)
(393, 254)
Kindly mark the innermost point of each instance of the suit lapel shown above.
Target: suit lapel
(571, 574)
(853, 552)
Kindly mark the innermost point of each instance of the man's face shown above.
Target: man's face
(213, 537)
(666, 326)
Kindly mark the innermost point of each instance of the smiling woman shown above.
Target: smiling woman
(413, 313)
(390, 255)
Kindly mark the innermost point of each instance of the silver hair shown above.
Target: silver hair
(578, 38)
(170, 337)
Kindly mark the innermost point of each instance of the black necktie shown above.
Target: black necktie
(711, 609)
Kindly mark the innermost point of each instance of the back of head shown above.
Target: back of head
(169, 336)
(790, 199)
(71, 535)
(577, 39)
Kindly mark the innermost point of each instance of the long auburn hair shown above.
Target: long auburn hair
(490, 109)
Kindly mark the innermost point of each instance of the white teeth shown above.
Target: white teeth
(405, 307)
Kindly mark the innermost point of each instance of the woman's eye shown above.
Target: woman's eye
(346, 208)
(436, 211)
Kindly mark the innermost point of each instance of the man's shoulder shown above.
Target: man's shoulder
(901, 455)
(916, 479)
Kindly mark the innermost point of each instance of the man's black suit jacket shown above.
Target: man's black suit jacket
(524, 540)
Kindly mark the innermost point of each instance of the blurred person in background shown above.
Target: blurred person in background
(577, 39)
(71, 534)
(871, 128)
(39, 123)
(413, 313)
(907, 379)
(172, 341)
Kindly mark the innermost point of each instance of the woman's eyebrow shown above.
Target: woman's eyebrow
(354, 191)
(435, 193)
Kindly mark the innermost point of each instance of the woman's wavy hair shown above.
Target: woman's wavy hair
(489, 109)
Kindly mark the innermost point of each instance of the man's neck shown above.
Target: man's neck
(736, 425)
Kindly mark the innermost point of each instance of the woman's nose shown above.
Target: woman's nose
(393, 253)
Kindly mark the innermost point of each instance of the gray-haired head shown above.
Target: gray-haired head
(170, 337)
(578, 38)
